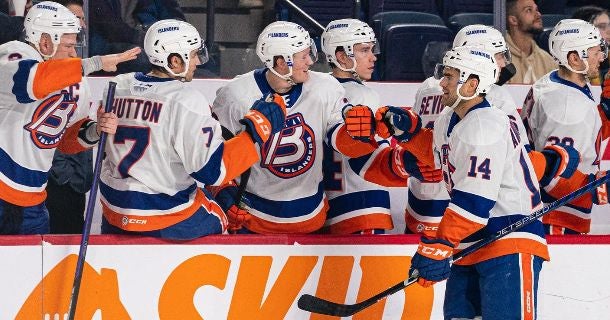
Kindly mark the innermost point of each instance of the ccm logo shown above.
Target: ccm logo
(127, 221)
(262, 123)
(434, 252)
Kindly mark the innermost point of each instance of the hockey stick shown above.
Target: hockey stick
(314, 304)
(84, 242)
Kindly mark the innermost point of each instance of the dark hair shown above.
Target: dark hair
(510, 7)
(588, 13)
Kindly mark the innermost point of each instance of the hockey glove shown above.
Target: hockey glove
(397, 122)
(265, 118)
(600, 194)
(604, 101)
(404, 164)
(561, 161)
(431, 261)
(237, 216)
(359, 122)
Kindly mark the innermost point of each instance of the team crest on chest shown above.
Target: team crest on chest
(50, 120)
(292, 151)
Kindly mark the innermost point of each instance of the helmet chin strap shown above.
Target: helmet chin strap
(580, 71)
(286, 77)
(352, 70)
(45, 56)
(181, 75)
(461, 97)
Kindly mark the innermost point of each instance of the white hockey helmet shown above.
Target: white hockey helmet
(51, 18)
(470, 61)
(484, 37)
(574, 35)
(346, 33)
(284, 39)
(166, 37)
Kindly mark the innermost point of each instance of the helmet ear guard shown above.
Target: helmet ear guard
(50, 18)
(169, 37)
(284, 39)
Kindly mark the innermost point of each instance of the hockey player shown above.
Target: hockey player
(285, 191)
(167, 141)
(39, 113)
(560, 109)
(491, 182)
(355, 205)
(427, 201)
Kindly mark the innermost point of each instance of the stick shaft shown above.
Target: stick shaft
(80, 263)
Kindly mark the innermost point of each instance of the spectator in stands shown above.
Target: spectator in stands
(71, 175)
(600, 19)
(117, 25)
(11, 26)
(523, 21)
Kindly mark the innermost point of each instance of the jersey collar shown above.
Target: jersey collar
(455, 118)
(290, 97)
(585, 90)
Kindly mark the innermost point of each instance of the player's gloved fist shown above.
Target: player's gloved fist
(561, 161)
(359, 122)
(397, 122)
(237, 216)
(265, 118)
(432, 261)
(600, 194)
(404, 164)
(604, 101)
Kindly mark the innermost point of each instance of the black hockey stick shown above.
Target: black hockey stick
(84, 242)
(314, 304)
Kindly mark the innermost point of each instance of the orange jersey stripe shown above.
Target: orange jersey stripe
(351, 147)
(506, 246)
(150, 223)
(428, 229)
(539, 163)
(359, 223)
(69, 142)
(454, 227)
(565, 186)
(420, 145)
(379, 171)
(567, 220)
(239, 147)
(262, 226)
(53, 75)
(21, 198)
(527, 287)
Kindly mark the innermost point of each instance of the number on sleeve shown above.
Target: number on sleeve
(482, 168)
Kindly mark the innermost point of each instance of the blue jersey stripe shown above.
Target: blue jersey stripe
(475, 204)
(358, 200)
(498, 223)
(20, 80)
(19, 174)
(428, 208)
(287, 209)
(210, 172)
(145, 201)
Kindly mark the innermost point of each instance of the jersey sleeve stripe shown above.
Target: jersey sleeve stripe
(211, 171)
(53, 75)
(21, 80)
(379, 199)
(240, 152)
(454, 227)
(70, 142)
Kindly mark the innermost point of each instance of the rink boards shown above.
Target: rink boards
(261, 277)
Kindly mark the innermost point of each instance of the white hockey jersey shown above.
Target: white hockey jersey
(427, 201)
(559, 111)
(355, 204)
(285, 191)
(38, 113)
(491, 182)
(166, 140)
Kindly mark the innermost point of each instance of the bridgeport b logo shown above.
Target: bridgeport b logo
(50, 120)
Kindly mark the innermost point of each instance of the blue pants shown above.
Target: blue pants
(502, 288)
(200, 224)
(23, 220)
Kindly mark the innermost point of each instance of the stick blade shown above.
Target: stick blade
(314, 304)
